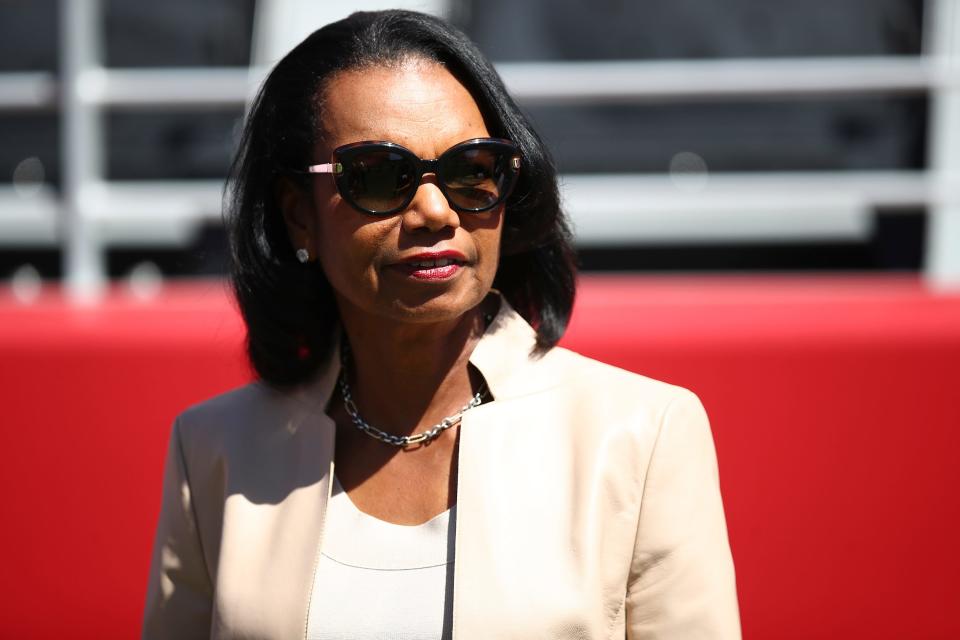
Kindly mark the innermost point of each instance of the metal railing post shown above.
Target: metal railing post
(82, 146)
(942, 44)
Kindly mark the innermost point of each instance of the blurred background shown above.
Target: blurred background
(766, 200)
(741, 135)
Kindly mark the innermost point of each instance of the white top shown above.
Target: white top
(376, 579)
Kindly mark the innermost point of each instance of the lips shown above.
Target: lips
(440, 265)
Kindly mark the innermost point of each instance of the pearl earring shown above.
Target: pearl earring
(303, 255)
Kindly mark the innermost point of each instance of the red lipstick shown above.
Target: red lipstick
(432, 265)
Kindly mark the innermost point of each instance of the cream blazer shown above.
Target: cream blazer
(588, 507)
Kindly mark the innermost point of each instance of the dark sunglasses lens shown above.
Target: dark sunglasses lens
(477, 178)
(378, 181)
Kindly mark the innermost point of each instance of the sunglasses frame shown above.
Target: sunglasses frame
(420, 168)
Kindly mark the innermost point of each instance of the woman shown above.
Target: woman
(418, 459)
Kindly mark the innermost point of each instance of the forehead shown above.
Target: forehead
(418, 104)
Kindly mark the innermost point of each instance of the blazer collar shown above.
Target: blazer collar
(505, 358)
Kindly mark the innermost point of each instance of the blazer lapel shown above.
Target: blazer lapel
(269, 551)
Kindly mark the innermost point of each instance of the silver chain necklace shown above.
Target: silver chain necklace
(398, 441)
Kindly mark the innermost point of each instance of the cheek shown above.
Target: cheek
(349, 249)
(340, 252)
(333, 229)
(491, 250)
(488, 245)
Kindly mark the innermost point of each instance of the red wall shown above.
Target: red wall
(834, 403)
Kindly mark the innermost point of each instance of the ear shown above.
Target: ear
(298, 215)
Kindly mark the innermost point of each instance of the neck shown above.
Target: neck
(407, 377)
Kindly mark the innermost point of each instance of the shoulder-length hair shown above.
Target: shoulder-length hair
(288, 307)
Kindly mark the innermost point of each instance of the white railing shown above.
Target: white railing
(608, 82)
(942, 46)
(91, 214)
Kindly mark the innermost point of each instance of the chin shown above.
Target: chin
(436, 310)
(413, 303)
(427, 307)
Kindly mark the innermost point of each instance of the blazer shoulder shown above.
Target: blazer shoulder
(598, 380)
(244, 414)
(227, 407)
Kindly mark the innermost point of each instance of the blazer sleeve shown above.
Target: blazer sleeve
(179, 592)
(682, 579)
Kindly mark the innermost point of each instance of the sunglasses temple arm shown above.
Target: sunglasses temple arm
(320, 168)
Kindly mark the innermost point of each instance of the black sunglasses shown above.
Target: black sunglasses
(381, 178)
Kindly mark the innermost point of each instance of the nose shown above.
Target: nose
(429, 209)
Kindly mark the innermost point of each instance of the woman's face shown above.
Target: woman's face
(384, 266)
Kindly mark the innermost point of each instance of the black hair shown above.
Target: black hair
(289, 308)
